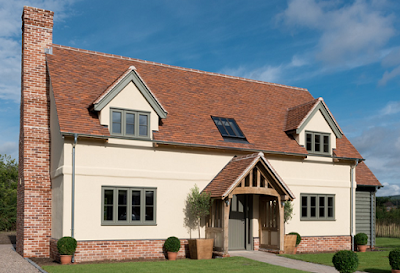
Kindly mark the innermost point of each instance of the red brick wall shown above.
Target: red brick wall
(119, 250)
(324, 244)
(34, 187)
(256, 243)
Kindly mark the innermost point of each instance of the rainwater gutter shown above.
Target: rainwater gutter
(73, 191)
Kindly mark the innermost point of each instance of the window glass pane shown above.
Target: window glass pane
(309, 142)
(108, 213)
(330, 207)
(135, 198)
(149, 213)
(321, 206)
(304, 206)
(330, 201)
(149, 198)
(317, 143)
(143, 130)
(121, 213)
(220, 127)
(313, 206)
(235, 128)
(143, 125)
(108, 197)
(122, 197)
(116, 122)
(130, 124)
(143, 120)
(135, 213)
(326, 144)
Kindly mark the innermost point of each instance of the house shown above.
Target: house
(110, 147)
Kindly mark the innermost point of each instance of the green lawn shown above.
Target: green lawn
(371, 261)
(233, 264)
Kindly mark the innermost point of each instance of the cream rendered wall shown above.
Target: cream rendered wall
(56, 163)
(124, 163)
(129, 98)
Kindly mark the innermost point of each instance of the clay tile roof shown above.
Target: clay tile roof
(297, 114)
(364, 176)
(225, 181)
(230, 174)
(80, 77)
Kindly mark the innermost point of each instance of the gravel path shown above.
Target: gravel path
(285, 262)
(12, 262)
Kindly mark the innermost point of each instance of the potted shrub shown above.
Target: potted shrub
(361, 239)
(345, 261)
(298, 240)
(394, 260)
(172, 246)
(198, 206)
(66, 248)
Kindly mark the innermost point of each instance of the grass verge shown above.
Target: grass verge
(233, 264)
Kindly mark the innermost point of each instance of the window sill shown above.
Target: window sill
(318, 220)
(128, 224)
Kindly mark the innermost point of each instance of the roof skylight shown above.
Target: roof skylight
(228, 127)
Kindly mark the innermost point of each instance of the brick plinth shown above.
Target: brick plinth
(324, 244)
(34, 187)
(119, 250)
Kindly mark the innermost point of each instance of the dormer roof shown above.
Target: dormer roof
(298, 116)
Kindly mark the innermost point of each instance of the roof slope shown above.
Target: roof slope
(296, 115)
(364, 176)
(190, 97)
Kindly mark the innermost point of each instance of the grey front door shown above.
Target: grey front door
(240, 223)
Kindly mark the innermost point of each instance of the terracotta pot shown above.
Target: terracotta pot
(395, 270)
(362, 248)
(172, 256)
(201, 249)
(295, 250)
(65, 259)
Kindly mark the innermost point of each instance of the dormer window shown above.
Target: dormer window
(130, 123)
(228, 127)
(318, 142)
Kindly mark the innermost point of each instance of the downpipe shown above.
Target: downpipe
(352, 204)
(73, 191)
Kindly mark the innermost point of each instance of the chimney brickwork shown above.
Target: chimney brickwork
(34, 187)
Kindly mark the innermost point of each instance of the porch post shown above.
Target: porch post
(281, 225)
(226, 210)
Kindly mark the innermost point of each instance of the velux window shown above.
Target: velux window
(318, 142)
(317, 207)
(130, 123)
(228, 127)
(128, 206)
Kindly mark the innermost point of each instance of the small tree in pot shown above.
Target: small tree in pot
(198, 206)
(66, 248)
(172, 246)
(361, 239)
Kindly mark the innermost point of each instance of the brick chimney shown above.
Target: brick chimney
(34, 187)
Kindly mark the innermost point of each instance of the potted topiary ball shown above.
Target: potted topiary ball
(361, 239)
(394, 260)
(345, 261)
(298, 240)
(66, 248)
(172, 246)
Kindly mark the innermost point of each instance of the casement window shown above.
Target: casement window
(228, 127)
(130, 123)
(318, 207)
(128, 206)
(318, 142)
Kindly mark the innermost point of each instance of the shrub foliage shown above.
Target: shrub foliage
(172, 244)
(298, 239)
(394, 259)
(361, 239)
(8, 193)
(66, 246)
(345, 261)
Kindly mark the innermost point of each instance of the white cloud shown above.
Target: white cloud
(10, 45)
(267, 73)
(387, 76)
(9, 148)
(351, 35)
(393, 107)
(388, 190)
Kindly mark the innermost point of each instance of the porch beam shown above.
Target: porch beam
(250, 190)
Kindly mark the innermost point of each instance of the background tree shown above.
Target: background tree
(8, 193)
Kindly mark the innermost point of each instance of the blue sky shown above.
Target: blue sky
(347, 52)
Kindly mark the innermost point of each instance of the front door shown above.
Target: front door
(240, 235)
